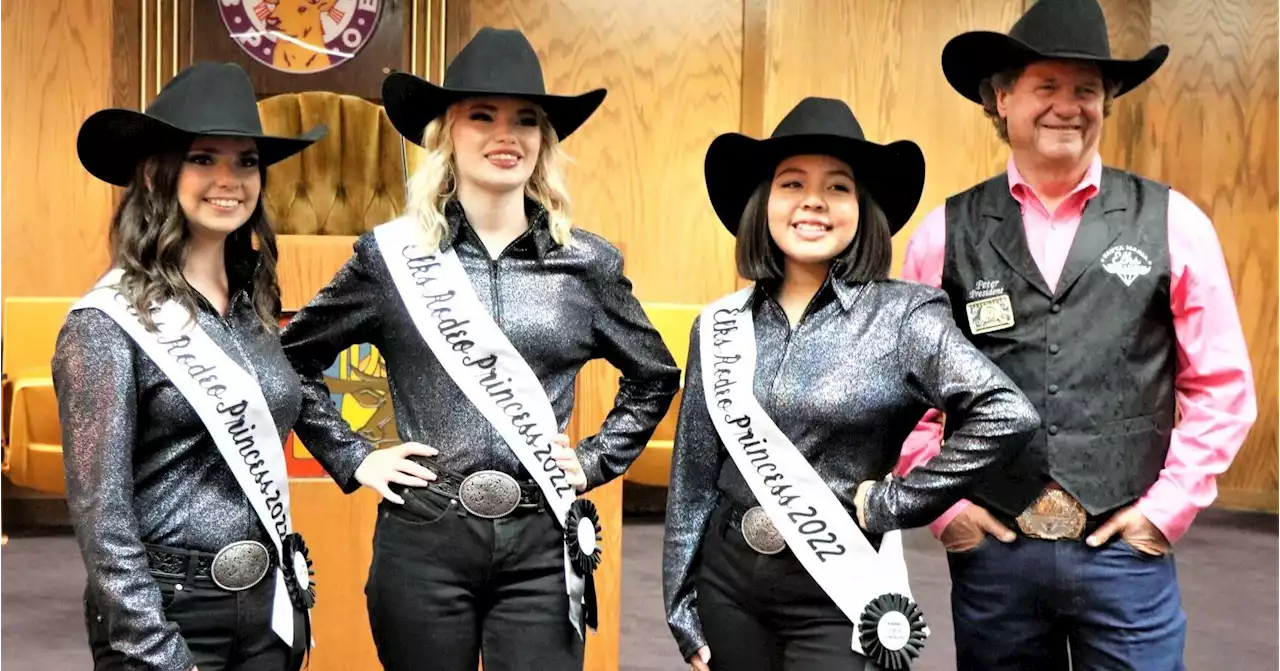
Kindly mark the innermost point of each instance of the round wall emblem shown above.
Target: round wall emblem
(301, 35)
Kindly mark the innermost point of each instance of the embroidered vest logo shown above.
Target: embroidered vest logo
(1126, 262)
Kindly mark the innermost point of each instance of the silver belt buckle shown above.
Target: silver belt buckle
(760, 534)
(240, 565)
(489, 494)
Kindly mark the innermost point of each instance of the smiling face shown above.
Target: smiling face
(219, 185)
(496, 143)
(813, 209)
(1054, 112)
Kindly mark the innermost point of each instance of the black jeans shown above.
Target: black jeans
(765, 612)
(225, 631)
(445, 587)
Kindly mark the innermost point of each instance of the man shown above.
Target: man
(1106, 298)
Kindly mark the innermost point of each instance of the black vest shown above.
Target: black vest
(1096, 356)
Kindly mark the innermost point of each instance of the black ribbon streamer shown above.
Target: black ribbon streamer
(869, 633)
(584, 564)
(290, 546)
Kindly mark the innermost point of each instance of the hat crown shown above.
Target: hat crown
(820, 116)
(1065, 27)
(207, 98)
(498, 60)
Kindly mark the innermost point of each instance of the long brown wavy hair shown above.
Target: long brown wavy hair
(149, 237)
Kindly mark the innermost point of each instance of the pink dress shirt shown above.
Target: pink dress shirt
(1214, 379)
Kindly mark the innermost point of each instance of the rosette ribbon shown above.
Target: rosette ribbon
(582, 541)
(296, 564)
(892, 631)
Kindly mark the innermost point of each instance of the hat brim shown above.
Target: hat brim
(412, 103)
(893, 174)
(112, 142)
(971, 57)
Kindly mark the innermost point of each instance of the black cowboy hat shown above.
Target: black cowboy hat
(494, 63)
(892, 174)
(204, 99)
(1051, 29)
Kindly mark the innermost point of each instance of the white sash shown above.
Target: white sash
(229, 402)
(816, 526)
(483, 363)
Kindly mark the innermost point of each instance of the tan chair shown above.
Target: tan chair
(320, 199)
(348, 182)
(32, 435)
(673, 322)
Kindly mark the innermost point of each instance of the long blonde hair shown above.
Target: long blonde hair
(435, 182)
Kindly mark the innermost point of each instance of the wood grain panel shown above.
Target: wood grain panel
(1129, 31)
(1211, 133)
(860, 52)
(673, 70)
(56, 67)
(307, 263)
(339, 533)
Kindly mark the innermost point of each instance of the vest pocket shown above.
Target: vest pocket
(1130, 452)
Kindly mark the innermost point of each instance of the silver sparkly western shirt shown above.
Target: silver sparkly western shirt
(847, 385)
(560, 306)
(142, 468)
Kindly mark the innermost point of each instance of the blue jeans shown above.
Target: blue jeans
(1029, 604)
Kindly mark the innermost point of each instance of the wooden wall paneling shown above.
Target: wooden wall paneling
(427, 40)
(338, 529)
(56, 66)
(860, 52)
(1129, 31)
(673, 70)
(126, 54)
(1211, 133)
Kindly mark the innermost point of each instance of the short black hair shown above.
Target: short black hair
(867, 258)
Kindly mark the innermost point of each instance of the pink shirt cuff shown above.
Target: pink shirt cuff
(939, 525)
(1160, 506)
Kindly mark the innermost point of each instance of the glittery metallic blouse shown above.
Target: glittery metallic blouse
(847, 385)
(560, 306)
(142, 468)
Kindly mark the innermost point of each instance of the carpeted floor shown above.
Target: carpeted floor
(1227, 566)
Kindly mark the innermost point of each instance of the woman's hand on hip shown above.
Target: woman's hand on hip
(567, 459)
(391, 464)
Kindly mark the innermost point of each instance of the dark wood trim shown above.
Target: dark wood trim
(126, 65)
(457, 27)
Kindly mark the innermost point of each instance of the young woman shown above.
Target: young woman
(799, 393)
(486, 303)
(174, 395)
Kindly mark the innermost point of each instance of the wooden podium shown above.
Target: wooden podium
(339, 528)
(339, 533)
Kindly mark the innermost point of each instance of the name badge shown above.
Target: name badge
(990, 314)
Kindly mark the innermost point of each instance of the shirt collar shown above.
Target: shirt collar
(845, 292)
(1088, 186)
(539, 225)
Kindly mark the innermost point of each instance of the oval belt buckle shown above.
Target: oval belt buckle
(760, 534)
(240, 565)
(489, 494)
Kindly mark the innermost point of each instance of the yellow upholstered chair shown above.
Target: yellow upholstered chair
(32, 436)
(673, 322)
(320, 199)
(348, 182)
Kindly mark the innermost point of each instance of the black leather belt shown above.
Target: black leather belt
(449, 483)
(178, 563)
(185, 564)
